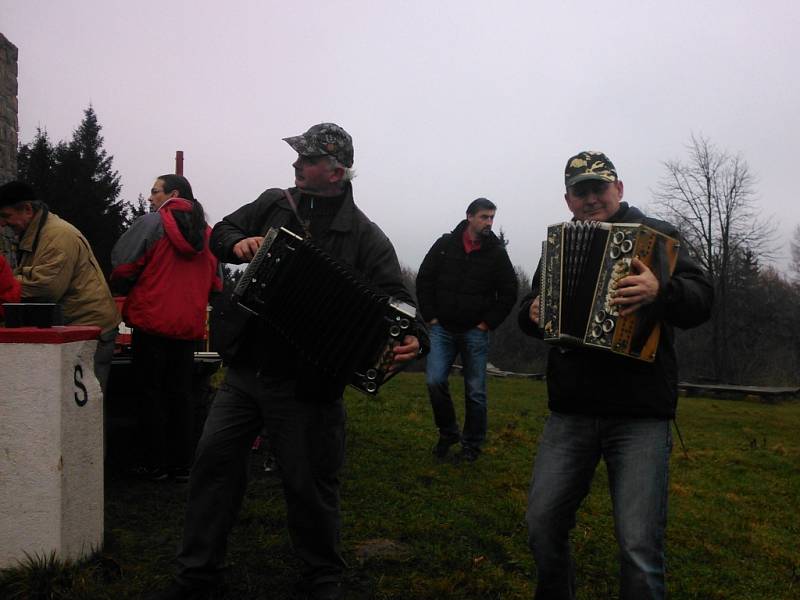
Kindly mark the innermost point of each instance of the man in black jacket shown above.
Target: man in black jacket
(466, 287)
(611, 406)
(267, 385)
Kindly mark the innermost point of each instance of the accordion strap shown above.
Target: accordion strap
(293, 204)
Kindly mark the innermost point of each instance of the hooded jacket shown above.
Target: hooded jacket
(167, 277)
(56, 264)
(460, 289)
(600, 383)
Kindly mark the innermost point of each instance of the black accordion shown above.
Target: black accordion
(580, 262)
(338, 324)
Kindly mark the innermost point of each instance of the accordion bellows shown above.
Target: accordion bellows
(336, 322)
(580, 263)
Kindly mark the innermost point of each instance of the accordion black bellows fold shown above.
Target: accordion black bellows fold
(581, 263)
(337, 323)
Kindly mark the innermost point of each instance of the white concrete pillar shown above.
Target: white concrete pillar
(51, 443)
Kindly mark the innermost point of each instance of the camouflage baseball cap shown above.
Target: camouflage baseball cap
(324, 139)
(589, 164)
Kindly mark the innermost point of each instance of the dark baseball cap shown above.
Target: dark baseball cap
(15, 192)
(324, 139)
(589, 164)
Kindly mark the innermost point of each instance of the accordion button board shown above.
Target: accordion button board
(582, 263)
(338, 323)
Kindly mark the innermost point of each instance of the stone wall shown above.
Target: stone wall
(8, 110)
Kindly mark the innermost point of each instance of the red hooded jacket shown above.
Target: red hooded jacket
(168, 279)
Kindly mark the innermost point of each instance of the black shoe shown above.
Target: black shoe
(468, 454)
(179, 474)
(443, 445)
(177, 591)
(151, 473)
(271, 465)
(331, 590)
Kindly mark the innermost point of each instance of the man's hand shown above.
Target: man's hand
(533, 312)
(246, 249)
(636, 290)
(482, 326)
(404, 351)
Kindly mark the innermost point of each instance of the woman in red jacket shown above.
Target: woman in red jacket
(164, 265)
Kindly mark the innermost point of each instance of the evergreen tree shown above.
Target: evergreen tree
(36, 163)
(501, 236)
(134, 211)
(79, 184)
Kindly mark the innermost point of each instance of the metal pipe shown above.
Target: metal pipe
(179, 162)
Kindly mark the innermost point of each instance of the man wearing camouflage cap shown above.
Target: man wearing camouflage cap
(609, 406)
(268, 386)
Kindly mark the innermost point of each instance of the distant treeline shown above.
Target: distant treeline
(752, 338)
(761, 332)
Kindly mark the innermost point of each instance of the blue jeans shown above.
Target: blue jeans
(473, 346)
(636, 452)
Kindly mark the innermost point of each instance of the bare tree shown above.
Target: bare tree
(711, 198)
(794, 246)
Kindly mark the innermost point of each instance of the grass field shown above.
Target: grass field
(418, 528)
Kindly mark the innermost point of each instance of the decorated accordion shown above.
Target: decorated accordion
(580, 262)
(335, 321)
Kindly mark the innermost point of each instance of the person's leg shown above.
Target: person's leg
(637, 454)
(102, 358)
(565, 462)
(307, 436)
(218, 478)
(474, 348)
(150, 356)
(181, 410)
(439, 362)
(103, 355)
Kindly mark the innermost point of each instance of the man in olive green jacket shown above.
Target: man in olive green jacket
(56, 264)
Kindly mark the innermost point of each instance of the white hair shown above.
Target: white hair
(349, 172)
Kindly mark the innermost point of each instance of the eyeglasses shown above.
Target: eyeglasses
(593, 186)
(154, 191)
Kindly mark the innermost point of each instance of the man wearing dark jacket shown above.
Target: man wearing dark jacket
(466, 287)
(268, 386)
(611, 406)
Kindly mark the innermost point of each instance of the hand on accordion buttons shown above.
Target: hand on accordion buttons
(246, 249)
(636, 290)
(404, 351)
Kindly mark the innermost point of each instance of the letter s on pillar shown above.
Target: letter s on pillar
(77, 378)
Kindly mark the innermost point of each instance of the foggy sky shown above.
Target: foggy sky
(446, 101)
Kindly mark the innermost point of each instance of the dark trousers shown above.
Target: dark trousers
(308, 439)
(163, 369)
(103, 355)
